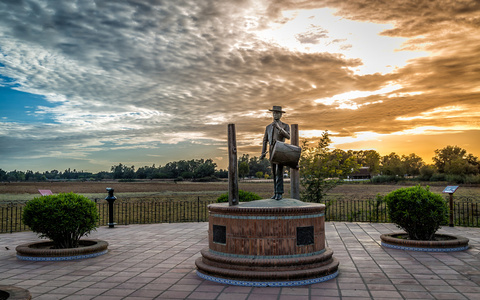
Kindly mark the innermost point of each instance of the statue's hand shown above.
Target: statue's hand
(277, 125)
(262, 156)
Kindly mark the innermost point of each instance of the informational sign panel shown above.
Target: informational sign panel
(450, 189)
(45, 192)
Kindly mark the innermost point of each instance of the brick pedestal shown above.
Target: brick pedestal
(267, 243)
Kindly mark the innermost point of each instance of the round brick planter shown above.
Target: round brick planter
(443, 243)
(41, 251)
(11, 292)
(267, 243)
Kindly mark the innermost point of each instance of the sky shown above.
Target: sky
(90, 84)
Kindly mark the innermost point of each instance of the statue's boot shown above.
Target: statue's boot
(274, 196)
(278, 197)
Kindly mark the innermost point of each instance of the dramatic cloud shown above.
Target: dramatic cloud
(146, 82)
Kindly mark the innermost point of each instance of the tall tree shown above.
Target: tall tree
(205, 168)
(455, 160)
(122, 171)
(411, 164)
(243, 169)
(447, 155)
(321, 169)
(391, 165)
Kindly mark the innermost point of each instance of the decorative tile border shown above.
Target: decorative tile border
(267, 256)
(424, 249)
(61, 258)
(267, 283)
(268, 217)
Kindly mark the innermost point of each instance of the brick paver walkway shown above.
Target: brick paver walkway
(157, 262)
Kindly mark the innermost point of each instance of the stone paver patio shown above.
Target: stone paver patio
(156, 261)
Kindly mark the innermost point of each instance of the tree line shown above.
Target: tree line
(322, 168)
(451, 163)
(196, 169)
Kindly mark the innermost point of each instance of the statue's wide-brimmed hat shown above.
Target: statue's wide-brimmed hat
(277, 108)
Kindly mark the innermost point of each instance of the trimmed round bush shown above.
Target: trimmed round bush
(242, 195)
(418, 211)
(63, 218)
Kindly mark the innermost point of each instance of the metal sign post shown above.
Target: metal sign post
(450, 190)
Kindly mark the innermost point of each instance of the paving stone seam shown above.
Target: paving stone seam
(425, 265)
(454, 255)
(360, 225)
(351, 258)
(378, 233)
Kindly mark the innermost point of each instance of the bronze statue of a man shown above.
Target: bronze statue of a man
(276, 131)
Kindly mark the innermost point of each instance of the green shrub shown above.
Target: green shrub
(417, 211)
(242, 195)
(64, 218)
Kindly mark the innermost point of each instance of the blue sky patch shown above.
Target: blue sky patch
(16, 106)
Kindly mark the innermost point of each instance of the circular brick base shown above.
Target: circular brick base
(267, 243)
(11, 292)
(444, 243)
(40, 251)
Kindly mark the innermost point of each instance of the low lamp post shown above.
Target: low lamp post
(110, 198)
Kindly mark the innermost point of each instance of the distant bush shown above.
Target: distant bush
(63, 218)
(438, 177)
(417, 210)
(472, 179)
(242, 195)
(126, 180)
(221, 174)
(455, 178)
(207, 179)
(426, 172)
(384, 179)
(187, 174)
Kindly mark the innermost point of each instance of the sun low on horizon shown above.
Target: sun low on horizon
(87, 85)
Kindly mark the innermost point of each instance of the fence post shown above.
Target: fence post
(11, 218)
(198, 209)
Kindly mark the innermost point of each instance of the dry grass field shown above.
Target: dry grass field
(166, 201)
(28, 190)
(145, 189)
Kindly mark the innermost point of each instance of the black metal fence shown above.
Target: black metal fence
(126, 211)
(156, 211)
(11, 217)
(466, 212)
(356, 211)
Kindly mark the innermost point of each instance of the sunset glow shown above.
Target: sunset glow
(320, 30)
(87, 85)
